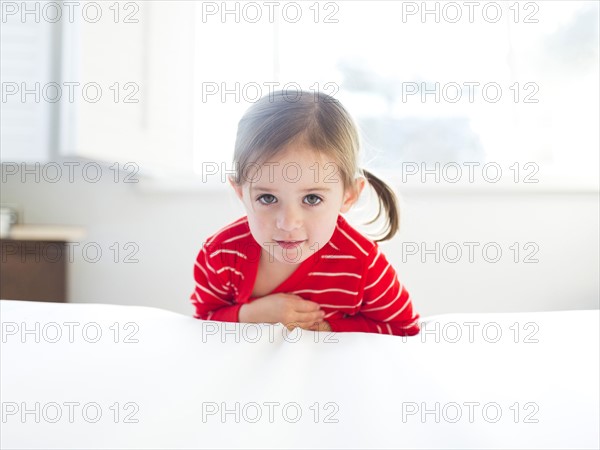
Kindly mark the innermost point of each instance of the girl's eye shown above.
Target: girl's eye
(313, 200)
(266, 199)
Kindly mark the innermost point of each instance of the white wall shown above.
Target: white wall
(169, 229)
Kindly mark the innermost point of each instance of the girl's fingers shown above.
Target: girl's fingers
(313, 326)
(303, 325)
(316, 326)
(315, 316)
(310, 325)
(305, 318)
(304, 306)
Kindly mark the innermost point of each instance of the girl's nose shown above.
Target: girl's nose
(289, 219)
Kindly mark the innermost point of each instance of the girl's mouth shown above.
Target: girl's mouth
(290, 244)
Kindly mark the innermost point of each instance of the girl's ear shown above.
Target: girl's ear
(352, 195)
(236, 188)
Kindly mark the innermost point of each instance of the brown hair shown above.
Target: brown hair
(322, 123)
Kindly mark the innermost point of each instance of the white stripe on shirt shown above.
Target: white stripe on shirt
(235, 252)
(352, 240)
(237, 272)
(220, 291)
(376, 257)
(394, 281)
(406, 303)
(199, 286)
(228, 227)
(380, 277)
(235, 238)
(314, 291)
(335, 274)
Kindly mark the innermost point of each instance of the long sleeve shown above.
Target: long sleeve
(386, 307)
(211, 297)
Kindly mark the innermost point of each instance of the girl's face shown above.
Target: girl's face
(293, 202)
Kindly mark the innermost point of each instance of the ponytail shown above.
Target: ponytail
(387, 201)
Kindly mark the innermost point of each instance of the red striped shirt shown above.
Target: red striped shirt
(357, 288)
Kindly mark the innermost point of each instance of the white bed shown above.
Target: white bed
(369, 390)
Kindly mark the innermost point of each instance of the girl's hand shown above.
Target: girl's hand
(321, 326)
(289, 309)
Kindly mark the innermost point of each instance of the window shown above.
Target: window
(26, 130)
(435, 82)
(517, 85)
(136, 74)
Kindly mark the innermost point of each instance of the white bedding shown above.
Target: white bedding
(182, 373)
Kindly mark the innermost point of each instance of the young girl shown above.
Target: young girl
(293, 259)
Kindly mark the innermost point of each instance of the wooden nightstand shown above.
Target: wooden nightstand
(33, 262)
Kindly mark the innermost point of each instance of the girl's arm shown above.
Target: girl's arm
(361, 323)
(211, 297)
(289, 309)
(386, 307)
